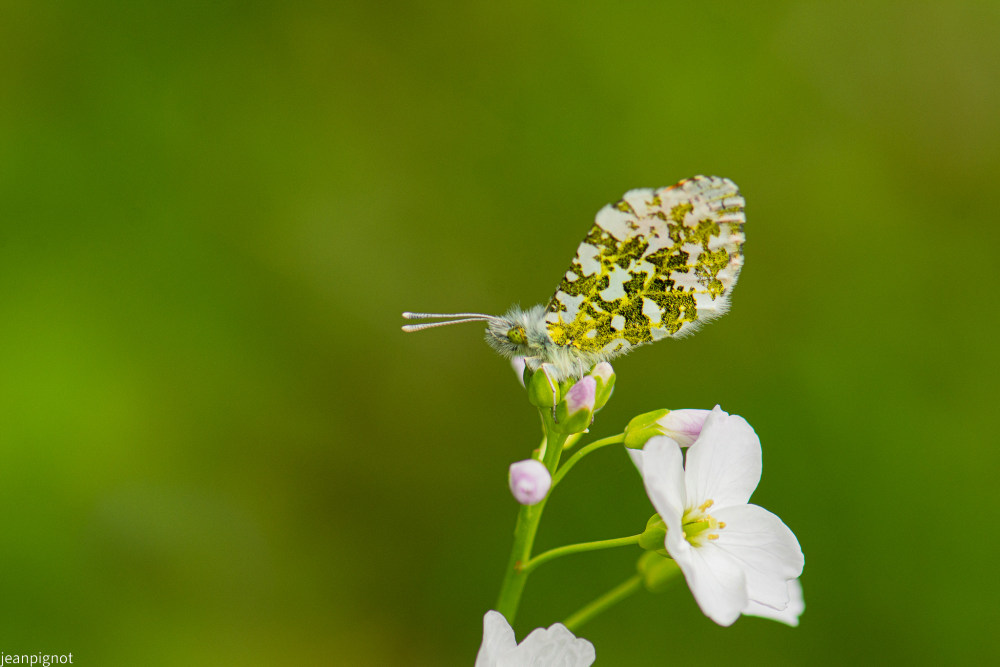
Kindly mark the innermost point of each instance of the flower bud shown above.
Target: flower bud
(642, 428)
(682, 426)
(575, 412)
(654, 538)
(604, 375)
(529, 481)
(543, 390)
(657, 571)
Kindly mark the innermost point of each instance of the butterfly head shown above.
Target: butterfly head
(517, 333)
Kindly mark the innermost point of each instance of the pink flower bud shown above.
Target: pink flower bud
(603, 371)
(529, 481)
(581, 396)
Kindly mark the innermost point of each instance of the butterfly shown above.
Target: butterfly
(656, 264)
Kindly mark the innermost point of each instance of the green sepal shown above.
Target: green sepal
(655, 535)
(604, 375)
(657, 571)
(644, 427)
(526, 376)
(542, 389)
(578, 397)
(566, 423)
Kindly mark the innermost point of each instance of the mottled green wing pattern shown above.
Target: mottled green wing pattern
(657, 264)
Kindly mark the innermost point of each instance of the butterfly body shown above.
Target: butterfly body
(656, 264)
(535, 345)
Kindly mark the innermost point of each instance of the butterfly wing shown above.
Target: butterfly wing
(656, 264)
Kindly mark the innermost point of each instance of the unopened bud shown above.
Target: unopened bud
(604, 375)
(529, 481)
(543, 390)
(575, 412)
(681, 426)
(642, 428)
(654, 538)
(657, 571)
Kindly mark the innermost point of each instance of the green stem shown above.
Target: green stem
(532, 563)
(592, 447)
(526, 527)
(615, 595)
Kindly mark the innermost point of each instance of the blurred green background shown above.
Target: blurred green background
(216, 446)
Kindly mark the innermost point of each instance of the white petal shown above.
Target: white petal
(765, 548)
(715, 580)
(555, 647)
(498, 640)
(636, 456)
(663, 474)
(685, 425)
(517, 363)
(789, 615)
(724, 464)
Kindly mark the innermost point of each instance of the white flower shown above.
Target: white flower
(554, 647)
(738, 553)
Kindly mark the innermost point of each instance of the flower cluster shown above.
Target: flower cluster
(699, 469)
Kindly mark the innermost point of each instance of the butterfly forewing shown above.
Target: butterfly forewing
(656, 264)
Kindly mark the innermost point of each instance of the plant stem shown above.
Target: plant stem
(531, 564)
(526, 527)
(615, 595)
(592, 447)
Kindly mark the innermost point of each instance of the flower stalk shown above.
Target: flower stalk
(604, 602)
(528, 517)
(581, 547)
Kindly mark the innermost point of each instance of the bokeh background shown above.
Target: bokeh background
(216, 447)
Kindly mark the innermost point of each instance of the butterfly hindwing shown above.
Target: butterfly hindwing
(656, 264)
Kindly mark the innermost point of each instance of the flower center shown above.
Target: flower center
(700, 526)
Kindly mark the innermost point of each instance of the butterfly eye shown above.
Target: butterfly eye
(517, 336)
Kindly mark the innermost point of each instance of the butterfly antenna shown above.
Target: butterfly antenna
(461, 317)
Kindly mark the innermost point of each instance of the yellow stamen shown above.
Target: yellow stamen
(705, 505)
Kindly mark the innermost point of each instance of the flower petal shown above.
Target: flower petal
(789, 615)
(662, 469)
(517, 363)
(636, 456)
(766, 549)
(716, 580)
(555, 646)
(724, 464)
(684, 426)
(498, 640)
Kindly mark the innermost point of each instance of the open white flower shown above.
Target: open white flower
(731, 553)
(555, 646)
